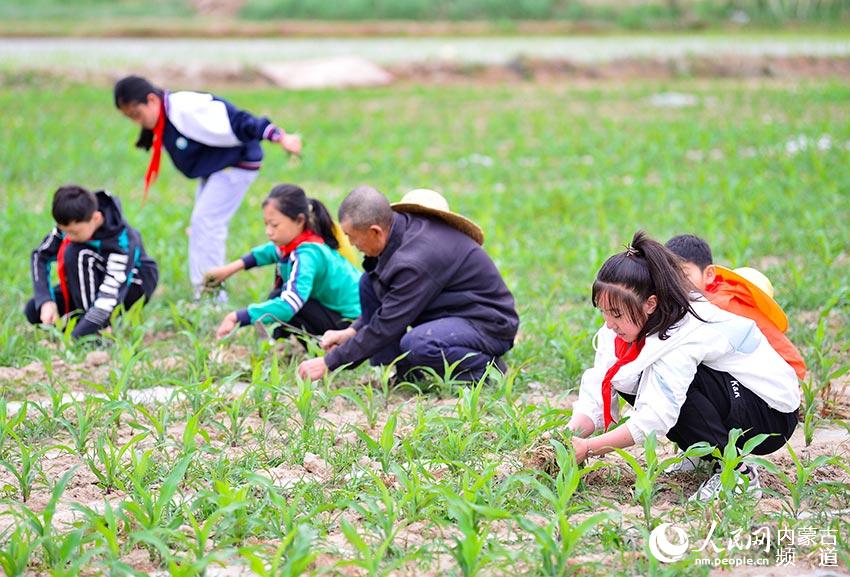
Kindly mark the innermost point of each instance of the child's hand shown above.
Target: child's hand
(49, 313)
(227, 326)
(291, 143)
(214, 277)
(580, 446)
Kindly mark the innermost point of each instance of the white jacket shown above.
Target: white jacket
(664, 370)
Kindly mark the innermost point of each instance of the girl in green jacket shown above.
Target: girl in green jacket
(316, 288)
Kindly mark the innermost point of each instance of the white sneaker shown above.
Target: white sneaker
(686, 465)
(711, 487)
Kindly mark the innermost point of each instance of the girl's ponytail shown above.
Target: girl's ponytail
(644, 269)
(291, 200)
(674, 300)
(322, 223)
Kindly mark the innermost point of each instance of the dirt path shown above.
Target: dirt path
(98, 53)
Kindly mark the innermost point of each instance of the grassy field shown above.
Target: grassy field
(174, 452)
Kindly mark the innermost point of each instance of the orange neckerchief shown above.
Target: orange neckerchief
(625, 354)
(156, 155)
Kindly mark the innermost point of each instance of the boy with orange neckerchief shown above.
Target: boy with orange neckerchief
(744, 291)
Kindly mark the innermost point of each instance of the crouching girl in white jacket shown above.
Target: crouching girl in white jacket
(692, 371)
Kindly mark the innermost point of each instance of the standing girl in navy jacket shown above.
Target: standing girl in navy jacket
(207, 138)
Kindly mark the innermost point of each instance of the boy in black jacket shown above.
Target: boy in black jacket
(100, 259)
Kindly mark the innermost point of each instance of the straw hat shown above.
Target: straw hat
(425, 201)
(761, 289)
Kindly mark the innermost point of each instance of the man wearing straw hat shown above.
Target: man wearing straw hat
(427, 272)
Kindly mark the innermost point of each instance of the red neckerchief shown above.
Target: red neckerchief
(306, 235)
(60, 269)
(625, 354)
(153, 167)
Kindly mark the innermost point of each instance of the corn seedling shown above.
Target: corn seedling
(156, 420)
(558, 540)
(192, 429)
(84, 422)
(304, 400)
(468, 405)
(28, 469)
(10, 423)
(381, 448)
(151, 509)
(646, 477)
(471, 513)
(53, 412)
(730, 459)
(199, 543)
(106, 461)
(799, 485)
(371, 555)
(16, 551)
(292, 558)
(366, 400)
(106, 529)
(285, 512)
(445, 382)
(64, 553)
(417, 493)
(237, 525)
(235, 417)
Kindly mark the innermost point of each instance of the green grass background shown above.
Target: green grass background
(558, 177)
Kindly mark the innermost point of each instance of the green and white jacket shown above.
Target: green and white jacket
(306, 268)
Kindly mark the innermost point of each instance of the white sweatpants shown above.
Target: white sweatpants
(216, 201)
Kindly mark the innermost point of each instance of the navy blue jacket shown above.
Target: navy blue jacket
(204, 134)
(122, 251)
(429, 270)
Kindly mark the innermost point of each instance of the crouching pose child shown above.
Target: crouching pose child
(316, 288)
(100, 259)
(744, 291)
(692, 371)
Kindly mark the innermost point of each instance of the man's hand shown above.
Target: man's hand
(333, 339)
(49, 313)
(227, 326)
(313, 369)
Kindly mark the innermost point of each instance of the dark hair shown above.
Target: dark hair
(292, 201)
(135, 90)
(72, 203)
(691, 249)
(629, 278)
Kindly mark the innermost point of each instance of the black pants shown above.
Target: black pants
(716, 403)
(85, 271)
(314, 318)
